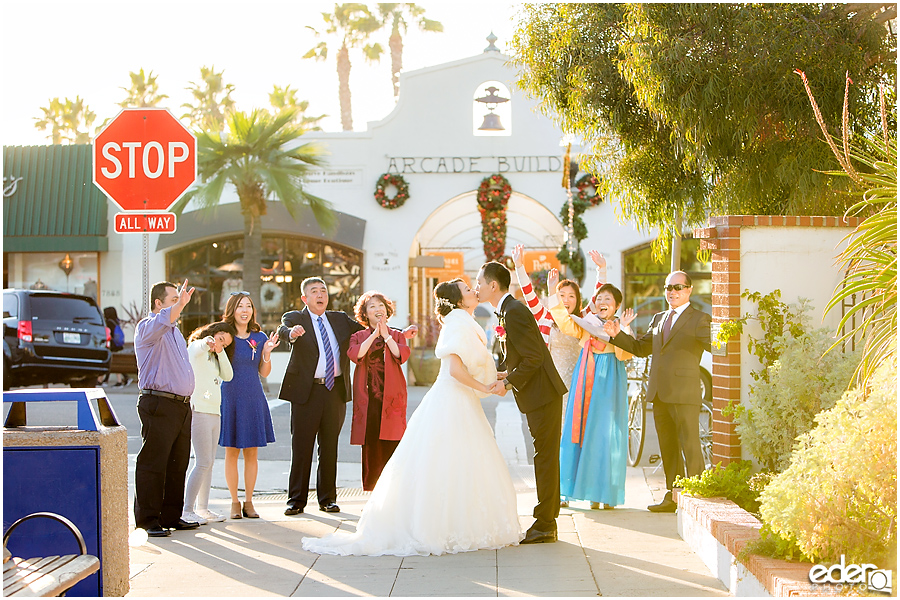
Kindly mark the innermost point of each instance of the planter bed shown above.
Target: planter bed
(718, 529)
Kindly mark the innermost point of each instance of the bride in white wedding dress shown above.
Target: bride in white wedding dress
(446, 489)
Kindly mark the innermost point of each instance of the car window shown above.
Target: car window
(62, 308)
(10, 306)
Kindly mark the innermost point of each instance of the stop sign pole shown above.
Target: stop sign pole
(144, 161)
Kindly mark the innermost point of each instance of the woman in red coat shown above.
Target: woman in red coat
(379, 387)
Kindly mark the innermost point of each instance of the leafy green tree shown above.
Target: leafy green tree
(260, 156)
(352, 23)
(144, 91)
(284, 98)
(397, 17)
(67, 121)
(211, 101)
(693, 108)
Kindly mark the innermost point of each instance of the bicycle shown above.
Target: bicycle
(638, 371)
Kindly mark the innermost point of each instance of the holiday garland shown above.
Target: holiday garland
(387, 180)
(581, 201)
(493, 196)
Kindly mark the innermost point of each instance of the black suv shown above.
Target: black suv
(51, 337)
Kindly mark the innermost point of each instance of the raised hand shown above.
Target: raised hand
(598, 259)
(270, 344)
(627, 317)
(518, 255)
(611, 328)
(552, 280)
(184, 294)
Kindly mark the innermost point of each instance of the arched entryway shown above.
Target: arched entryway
(452, 232)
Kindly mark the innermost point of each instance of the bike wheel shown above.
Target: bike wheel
(636, 421)
(706, 421)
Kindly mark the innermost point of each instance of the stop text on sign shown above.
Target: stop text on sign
(144, 160)
(145, 223)
(153, 158)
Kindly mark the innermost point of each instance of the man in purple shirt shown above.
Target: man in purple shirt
(166, 382)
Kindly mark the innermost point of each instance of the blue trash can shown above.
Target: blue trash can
(79, 472)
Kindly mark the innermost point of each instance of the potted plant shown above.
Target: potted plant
(424, 364)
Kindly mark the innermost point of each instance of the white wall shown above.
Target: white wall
(799, 261)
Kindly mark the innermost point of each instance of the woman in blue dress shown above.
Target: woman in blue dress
(594, 441)
(246, 420)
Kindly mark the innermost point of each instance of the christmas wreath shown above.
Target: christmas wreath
(583, 185)
(493, 196)
(386, 180)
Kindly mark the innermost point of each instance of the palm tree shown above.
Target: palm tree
(393, 15)
(283, 98)
(144, 91)
(353, 23)
(212, 101)
(64, 119)
(259, 156)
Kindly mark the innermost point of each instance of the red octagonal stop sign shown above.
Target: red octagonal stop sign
(145, 159)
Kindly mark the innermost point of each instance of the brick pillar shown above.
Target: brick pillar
(723, 239)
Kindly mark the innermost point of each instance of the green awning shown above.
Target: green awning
(50, 203)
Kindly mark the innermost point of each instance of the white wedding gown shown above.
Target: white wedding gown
(446, 489)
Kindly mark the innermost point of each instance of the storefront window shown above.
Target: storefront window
(644, 280)
(73, 272)
(215, 269)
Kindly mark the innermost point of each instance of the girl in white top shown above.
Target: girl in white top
(209, 348)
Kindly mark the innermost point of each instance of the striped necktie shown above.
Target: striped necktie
(329, 357)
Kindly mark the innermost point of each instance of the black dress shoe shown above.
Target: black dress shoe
(666, 506)
(290, 511)
(182, 525)
(330, 507)
(535, 536)
(158, 531)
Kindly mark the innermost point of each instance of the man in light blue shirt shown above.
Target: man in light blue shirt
(166, 382)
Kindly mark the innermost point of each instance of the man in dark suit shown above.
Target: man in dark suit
(317, 384)
(676, 338)
(537, 388)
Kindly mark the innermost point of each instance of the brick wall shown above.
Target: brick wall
(723, 238)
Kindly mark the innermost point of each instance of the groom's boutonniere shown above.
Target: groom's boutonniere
(500, 332)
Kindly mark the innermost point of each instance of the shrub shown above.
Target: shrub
(839, 495)
(796, 383)
(732, 483)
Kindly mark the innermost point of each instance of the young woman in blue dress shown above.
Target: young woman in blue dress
(246, 420)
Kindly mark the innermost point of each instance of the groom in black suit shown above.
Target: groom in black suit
(537, 388)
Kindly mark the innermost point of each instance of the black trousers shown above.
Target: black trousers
(162, 461)
(678, 430)
(545, 423)
(319, 419)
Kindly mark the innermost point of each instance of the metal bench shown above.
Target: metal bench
(50, 575)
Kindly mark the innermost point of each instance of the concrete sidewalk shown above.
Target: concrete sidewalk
(623, 552)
